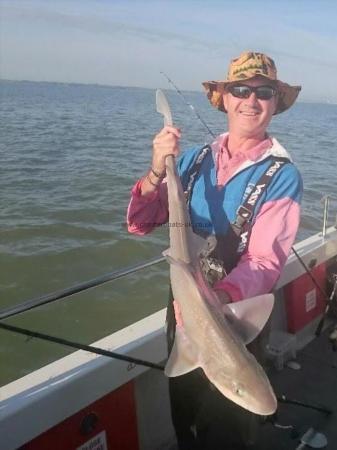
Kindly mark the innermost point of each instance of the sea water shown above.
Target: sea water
(70, 155)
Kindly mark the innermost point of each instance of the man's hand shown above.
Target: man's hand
(165, 143)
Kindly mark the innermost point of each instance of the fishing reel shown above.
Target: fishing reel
(211, 264)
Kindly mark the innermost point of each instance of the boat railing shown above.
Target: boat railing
(326, 201)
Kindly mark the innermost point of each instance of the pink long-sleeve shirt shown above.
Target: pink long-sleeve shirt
(272, 235)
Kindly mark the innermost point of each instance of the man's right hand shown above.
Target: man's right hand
(165, 143)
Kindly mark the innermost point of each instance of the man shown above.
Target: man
(244, 195)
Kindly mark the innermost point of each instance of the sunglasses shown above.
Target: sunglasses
(261, 92)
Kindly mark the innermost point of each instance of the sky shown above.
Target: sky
(130, 42)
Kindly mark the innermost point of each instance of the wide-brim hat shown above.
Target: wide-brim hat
(249, 65)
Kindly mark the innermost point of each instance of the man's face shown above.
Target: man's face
(250, 117)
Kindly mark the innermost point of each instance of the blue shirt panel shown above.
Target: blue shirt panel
(212, 209)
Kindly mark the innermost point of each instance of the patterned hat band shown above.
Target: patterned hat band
(249, 65)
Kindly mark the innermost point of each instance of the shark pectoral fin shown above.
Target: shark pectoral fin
(183, 356)
(250, 315)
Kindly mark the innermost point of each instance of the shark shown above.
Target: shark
(211, 335)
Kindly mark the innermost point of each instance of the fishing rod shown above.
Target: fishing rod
(189, 104)
(48, 298)
(323, 409)
(79, 346)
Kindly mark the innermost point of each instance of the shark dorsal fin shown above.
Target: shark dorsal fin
(249, 316)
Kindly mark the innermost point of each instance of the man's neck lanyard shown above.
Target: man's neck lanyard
(245, 212)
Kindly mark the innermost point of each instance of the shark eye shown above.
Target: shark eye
(238, 390)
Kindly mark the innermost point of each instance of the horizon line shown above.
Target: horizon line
(77, 83)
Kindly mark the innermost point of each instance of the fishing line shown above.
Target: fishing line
(189, 105)
(79, 346)
(320, 325)
(325, 295)
(328, 299)
(309, 273)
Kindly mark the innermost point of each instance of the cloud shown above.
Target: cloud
(94, 24)
(124, 41)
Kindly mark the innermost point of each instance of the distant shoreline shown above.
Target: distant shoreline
(166, 88)
(91, 84)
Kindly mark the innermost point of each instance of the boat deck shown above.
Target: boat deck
(315, 383)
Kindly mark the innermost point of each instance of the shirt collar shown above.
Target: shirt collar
(252, 154)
